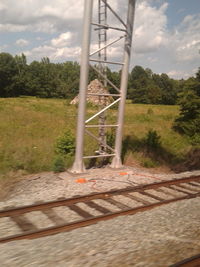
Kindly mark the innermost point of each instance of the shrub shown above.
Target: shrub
(195, 139)
(110, 138)
(149, 163)
(65, 150)
(58, 164)
(152, 141)
(65, 144)
(189, 120)
(150, 111)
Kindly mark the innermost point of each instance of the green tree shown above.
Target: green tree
(188, 122)
(69, 75)
(167, 87)
(20, 79)
(8, 71)
(142, 88)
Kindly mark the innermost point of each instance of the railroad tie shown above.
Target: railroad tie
(189, 188)
(23, 223)
(52, 215)
(80, 211)
(55, 218)
(94, 205)
(138, 199)
(151, 195)
(117, 203)
(179, 190)
(193, 184)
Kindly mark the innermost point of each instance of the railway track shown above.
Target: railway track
(189, 262)
(97, 207)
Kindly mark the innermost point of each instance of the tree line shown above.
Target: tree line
(61, 80)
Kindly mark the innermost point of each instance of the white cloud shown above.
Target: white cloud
(62, 54)
(178, 73)
(152, 59)
(153, 43)
(43, 16)
(64, 39)
(2, 6)
(150, 27)
(186, 39)
(3, 47)
(22, 42)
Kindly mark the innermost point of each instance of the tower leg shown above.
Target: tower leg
(78, 166)
(117, 162)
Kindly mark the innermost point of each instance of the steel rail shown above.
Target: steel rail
(189, 262)
(93, 220)
(103, 195)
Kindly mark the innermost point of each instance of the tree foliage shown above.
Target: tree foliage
(61, 80)
(149, 88)
(188, 122)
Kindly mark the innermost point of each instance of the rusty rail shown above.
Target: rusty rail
(189, 186)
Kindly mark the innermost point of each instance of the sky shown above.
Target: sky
(166, 34)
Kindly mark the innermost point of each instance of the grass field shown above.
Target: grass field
(30, 126)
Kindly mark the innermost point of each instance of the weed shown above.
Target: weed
(150, 111)
(58, 164)
(149, 163)
(152, 141)
(65, 144)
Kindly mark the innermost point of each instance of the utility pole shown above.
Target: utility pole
(125, 30)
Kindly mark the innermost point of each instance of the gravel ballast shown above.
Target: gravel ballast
(159, 237)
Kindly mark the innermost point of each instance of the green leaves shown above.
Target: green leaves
(65, 144)
(188, 122)
(149, 88)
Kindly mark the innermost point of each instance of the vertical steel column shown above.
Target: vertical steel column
(116, 162)
(78, 166)
(102, 36)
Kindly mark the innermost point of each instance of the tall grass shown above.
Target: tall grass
(30, 126)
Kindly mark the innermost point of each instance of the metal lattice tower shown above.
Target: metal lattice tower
(99, 57)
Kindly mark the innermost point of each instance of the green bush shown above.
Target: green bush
(58, 164)
(65, 150)
(149, 163)
(65, 144)
(189, 120)
(152, 141)
(110, 138)
(150, 111)
(195, 139)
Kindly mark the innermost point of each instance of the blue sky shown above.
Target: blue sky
(166, 33)
(178, 9)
